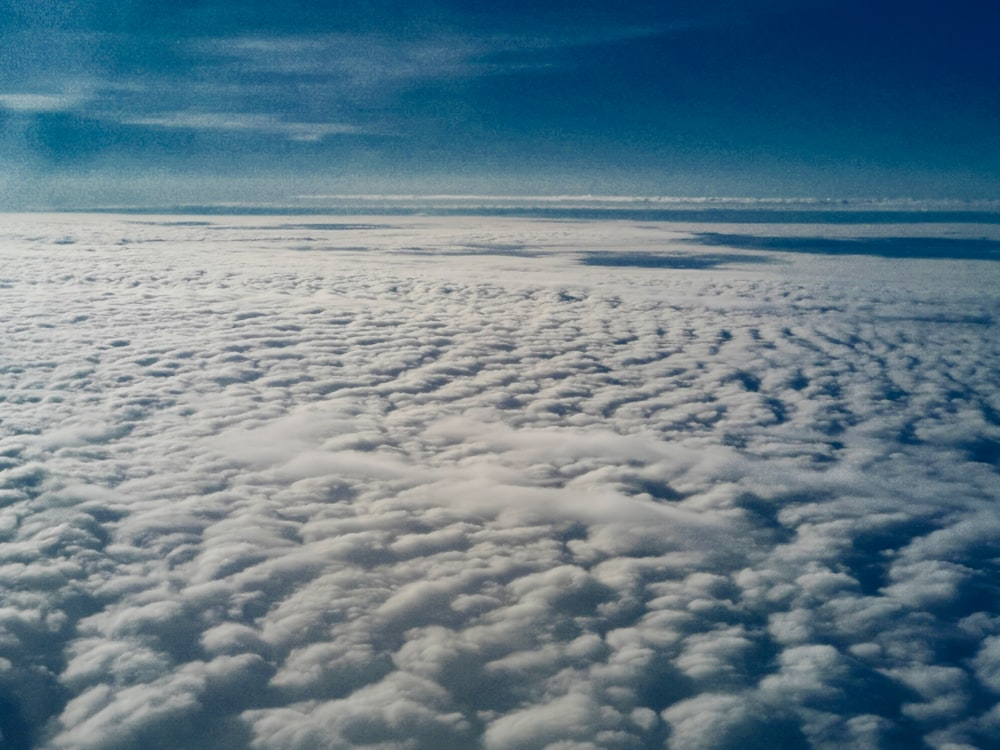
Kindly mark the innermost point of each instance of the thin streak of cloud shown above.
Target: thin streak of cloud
(248, 123)
(37, 103)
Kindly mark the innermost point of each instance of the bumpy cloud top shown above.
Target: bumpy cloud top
(437, 483)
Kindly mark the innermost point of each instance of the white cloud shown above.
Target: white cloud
(713, 720)
(987, 663)
(262, 488)
(246, 122)
(32, 102)
(573, 717)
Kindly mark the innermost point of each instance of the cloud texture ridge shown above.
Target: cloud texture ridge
(435, 483)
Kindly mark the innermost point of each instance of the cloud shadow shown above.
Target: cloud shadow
(672, 261)
(930, 248)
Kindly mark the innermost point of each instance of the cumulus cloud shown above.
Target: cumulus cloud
(278, 485)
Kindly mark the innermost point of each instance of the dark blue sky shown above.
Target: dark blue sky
(149, 102)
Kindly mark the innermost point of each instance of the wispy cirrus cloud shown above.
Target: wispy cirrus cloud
(355, 58)
(31, 103)
(251, 123)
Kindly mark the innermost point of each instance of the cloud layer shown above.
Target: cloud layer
(437, 483)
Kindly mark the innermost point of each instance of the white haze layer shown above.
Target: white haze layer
(433, 483)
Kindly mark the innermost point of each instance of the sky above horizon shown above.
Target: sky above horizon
(136, 102)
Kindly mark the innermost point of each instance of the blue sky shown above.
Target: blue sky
(185, 102)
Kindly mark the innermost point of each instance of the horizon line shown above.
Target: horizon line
(471, 201)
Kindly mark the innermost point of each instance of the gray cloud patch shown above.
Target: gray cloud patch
(252, 497)
(670, 260)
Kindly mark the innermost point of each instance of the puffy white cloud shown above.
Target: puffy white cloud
(714, 720)
(987, 663)
(274, 483)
